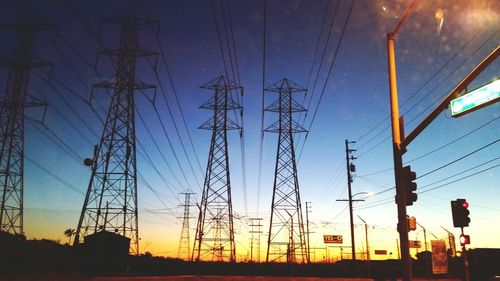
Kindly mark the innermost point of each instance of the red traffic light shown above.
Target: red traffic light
(464, 239)
(465, 204)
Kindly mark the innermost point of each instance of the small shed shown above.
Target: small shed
(106, 244)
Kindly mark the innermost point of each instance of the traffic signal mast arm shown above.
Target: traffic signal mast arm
(459, 88)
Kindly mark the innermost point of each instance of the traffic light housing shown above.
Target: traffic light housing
(464, 239)
(409, 185)
(460, 212)
(412, 223)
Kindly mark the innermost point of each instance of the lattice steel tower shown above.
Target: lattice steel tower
(184, 248)
(286, 227)
(13, 104)
(111, 200)
(214, 238)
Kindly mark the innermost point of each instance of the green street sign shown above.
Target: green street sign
(481, 97)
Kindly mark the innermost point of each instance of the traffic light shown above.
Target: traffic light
(409, 186)
(412, 223)
(460, 212)
(464, 239)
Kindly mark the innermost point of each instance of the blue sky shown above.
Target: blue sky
(432, 56)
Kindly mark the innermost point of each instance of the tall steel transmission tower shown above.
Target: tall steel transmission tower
(184, 248)
(214, 238)
(13, 104)
(111, 200)
(286, 228)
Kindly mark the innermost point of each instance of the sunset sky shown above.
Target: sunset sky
(441, 42)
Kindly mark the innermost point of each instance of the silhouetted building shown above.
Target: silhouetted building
(106, 244)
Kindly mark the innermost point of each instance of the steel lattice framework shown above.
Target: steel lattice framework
(12, 107)
(184, 247)
(286, 227)
(214, 238)
(111, 200)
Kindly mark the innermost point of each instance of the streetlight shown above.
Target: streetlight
(350, 200)
(366, 238)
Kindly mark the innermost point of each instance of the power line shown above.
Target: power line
(146, 156)
(323, 55)
(455, 140)
(58, 141)
(460, 173)
(439, 84)
(439, 148)
(431, 77)
(233, 42)
(148, 159)
(53, 175)
(242, 135)
(163, 58)
(330, 29)
(261, 143)
(164, 130)
(329, 73)
(174, 90)
(391, 199)
(155, 143)
(231, 50)
(458, 159)
(97, 115)
(169, 110)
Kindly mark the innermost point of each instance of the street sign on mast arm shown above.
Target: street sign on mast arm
(483, 96)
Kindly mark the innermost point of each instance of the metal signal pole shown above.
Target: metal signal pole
(398, 150)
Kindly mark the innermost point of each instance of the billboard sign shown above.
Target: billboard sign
(336, 239)
(439, 257)
(414, 244)
(380, 252)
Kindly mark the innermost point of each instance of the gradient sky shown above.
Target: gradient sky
(433, 54)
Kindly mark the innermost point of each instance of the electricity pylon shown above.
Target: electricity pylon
(214, 238)
(12, 106)
(255, 230)
(184, 248)
(111, 200)
(286, 227)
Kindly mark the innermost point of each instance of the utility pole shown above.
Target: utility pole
(185, 240)
(308, 233)
(114, 167)
(215, 231)
(366, 238)
(350, 168)
(348, 157)
(286, 209)
(13, 104)
(255, 223)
